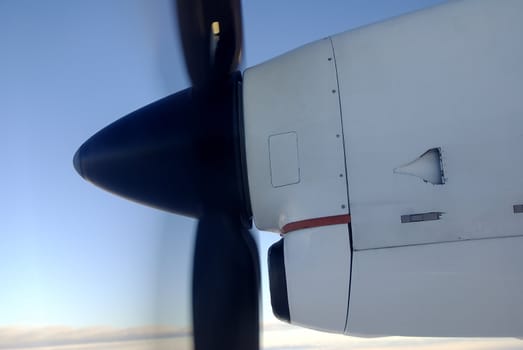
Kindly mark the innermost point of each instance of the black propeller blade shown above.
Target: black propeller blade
(211, 33)
(185, 154)
(225, 285)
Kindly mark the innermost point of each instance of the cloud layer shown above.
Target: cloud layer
(277, 336)
(17, 337)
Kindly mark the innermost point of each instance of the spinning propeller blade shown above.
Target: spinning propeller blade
(184, 154)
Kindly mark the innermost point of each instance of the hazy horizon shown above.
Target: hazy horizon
(274, 336)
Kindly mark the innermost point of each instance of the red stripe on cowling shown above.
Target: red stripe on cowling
(316, 222)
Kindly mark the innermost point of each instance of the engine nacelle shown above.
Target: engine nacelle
(389, 158)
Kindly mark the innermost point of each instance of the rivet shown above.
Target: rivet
(341, 175)
(333, 91)
(330, 58)
(337, 135)
(343, 206)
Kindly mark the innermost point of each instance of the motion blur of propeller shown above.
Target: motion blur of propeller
(211, 33)
(184, 154)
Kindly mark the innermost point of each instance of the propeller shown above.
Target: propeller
(211, 33)
(185, 154)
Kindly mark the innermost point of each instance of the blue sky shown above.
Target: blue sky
(73, 255)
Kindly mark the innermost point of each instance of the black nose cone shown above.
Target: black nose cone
(148, 156)
(77, 163)
(182, 154)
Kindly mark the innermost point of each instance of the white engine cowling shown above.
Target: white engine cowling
(389, 158)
